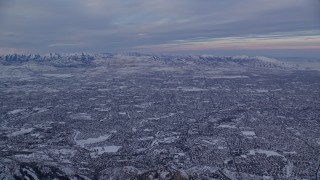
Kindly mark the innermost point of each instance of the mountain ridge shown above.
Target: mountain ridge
(90, 60)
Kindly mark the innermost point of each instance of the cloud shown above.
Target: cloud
(4, 51)
(301, 40)
(124, 25)
(65, 44)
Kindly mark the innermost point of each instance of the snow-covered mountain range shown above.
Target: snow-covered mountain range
(85, 59)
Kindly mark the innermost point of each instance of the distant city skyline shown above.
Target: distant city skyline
(228, 27)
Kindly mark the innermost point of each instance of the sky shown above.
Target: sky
(219, 27)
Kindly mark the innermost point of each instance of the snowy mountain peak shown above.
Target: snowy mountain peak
(86, 59)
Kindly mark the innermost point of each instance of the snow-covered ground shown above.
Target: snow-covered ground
(16, 111)
(248, 133)
(84, 142)
(268, 153)
(96, 151)
(81, 116)
(58, 75)
(227, 126)
(22, 131)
